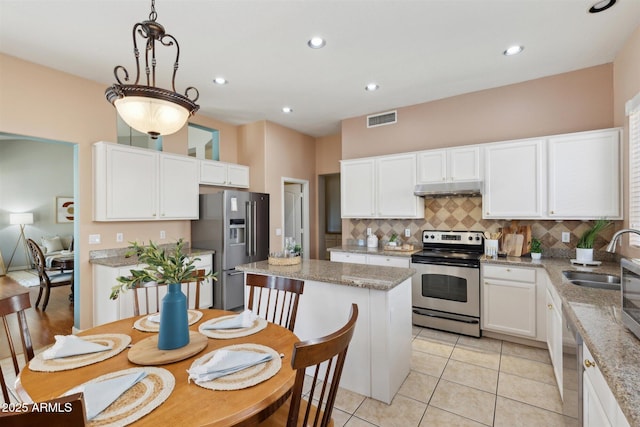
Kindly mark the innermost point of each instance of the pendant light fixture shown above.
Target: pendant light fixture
(147, 108)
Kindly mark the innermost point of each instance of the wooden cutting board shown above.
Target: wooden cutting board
(146, 352)
(513, 244)
(525, 230)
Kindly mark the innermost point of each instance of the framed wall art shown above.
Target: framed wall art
(64, 209)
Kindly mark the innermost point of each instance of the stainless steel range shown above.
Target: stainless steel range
(446, 286)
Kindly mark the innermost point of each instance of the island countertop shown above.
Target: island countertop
(358, 275)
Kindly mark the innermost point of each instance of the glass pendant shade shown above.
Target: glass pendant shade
(152, 116)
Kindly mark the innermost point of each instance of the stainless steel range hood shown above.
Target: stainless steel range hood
(442, 189)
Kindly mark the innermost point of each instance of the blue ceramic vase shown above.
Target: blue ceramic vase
(174, 320)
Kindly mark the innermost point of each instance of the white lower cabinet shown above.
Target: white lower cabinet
(384, 260)
(509, 296)
(554, 331)
(106, 310)
(600, 408)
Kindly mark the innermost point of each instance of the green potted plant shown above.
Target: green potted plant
(170, 267)
(584, 247)
(536, 248)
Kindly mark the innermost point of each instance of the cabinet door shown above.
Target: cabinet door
(388, 261)
(514, 179)
(554, 337)
(396, 180)
(592, 411)
(584, 175)
(464, 164)
(125, 183)
(509, 307)
(178, 187)
(432, 166)
(357, 180)
(238, 175)
(212, 172)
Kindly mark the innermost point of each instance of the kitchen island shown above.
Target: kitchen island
(379, 356)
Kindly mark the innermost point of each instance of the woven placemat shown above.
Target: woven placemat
(247, 377)
(136, 402)
(118, 342)
(145, 325)
(258, 325)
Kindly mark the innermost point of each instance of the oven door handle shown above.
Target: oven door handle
(450, 264)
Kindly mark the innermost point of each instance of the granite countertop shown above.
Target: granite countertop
(357, 275)
(596, 314)
(355, 249)
(116, 257)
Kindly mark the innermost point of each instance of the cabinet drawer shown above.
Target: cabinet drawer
(348, 257)
(388, 261)
(509, 273)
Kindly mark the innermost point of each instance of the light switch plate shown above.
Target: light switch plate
(566, 237)
(163, 234)
(94, 239)
(119, 237)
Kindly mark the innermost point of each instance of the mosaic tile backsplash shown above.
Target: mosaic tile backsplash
(465, 213)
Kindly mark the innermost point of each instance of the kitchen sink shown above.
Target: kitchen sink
(593, 280)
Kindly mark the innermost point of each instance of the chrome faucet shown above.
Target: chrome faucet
(611, 247)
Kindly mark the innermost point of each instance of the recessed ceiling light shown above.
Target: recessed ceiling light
(601, 6)
(371, 87)
(513, 50)
(316, 42)
(287, 110)
(220, 81)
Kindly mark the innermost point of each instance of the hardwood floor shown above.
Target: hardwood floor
(43, 326)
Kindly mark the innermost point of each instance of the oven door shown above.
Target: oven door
(453, 289)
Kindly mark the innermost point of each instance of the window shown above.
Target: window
(633, 112)
(204, 143)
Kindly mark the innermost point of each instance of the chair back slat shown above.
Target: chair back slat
(16, 304)
(274, 298)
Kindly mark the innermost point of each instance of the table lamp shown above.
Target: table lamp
(21, 219)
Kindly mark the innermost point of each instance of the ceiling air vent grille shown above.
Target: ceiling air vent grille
(388, 118)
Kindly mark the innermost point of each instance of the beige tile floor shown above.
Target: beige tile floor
(463, 381)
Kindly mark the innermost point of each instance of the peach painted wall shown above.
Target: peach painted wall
(626, 84)
(44, 103)
(251, 152)
(328, 154)
(569, 102)
(289, 154)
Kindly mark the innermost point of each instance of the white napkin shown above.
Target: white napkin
(154, 318)
(71, 345)
(225, 362)
(98, 396)
(242, 320)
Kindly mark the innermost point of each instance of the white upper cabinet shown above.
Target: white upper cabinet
(213, 172)
(357, 181)
(135, 184)
(514, 179)
(584, 175)
(452, 164)
(380, 187)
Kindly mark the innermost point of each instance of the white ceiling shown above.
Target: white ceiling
(417, 51)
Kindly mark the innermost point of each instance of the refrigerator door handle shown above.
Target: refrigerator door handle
(249, 229)
(236, 273)
(254, 234)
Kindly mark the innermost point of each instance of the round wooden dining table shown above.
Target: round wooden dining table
(188, 404)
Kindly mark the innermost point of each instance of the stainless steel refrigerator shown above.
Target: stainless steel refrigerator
(235, 224)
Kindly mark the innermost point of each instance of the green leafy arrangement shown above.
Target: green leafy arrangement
(536, 245)
(162, 267)
(589, 236)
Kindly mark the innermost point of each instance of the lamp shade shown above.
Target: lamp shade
(151, 115)
(21, 218)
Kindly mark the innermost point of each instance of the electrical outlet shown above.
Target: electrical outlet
(278, 231)
(119, 237)
(368, 231)
(94, 239)
(566, 237)
(407, 232)
(163, 234)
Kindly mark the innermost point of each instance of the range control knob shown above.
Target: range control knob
(470, 237)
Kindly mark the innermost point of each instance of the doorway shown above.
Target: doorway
(295, 212)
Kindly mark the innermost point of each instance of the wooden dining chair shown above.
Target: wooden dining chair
(15, 304)
(67, 411)
(148, 294)
(274, 298)
(326, 358)
(48, 279)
